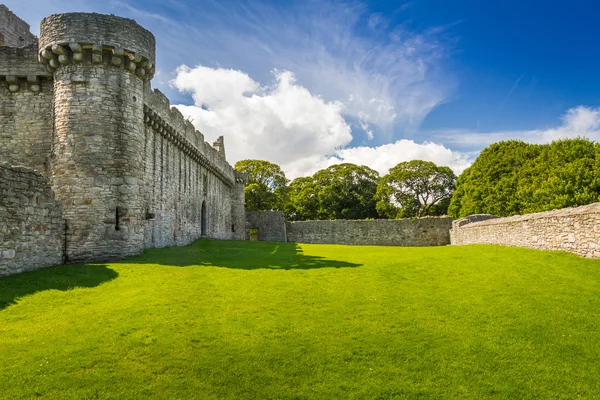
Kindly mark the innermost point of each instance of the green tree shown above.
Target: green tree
(513, 177)
(342, 191)
(491, 183)
(415, 189)
(267, 185)
(303, 201)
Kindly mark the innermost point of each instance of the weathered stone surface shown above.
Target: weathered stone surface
(432, 231)
(26, 124)
(104, 31)
(576, 230)
(30, 221)
(14, 32)
(271, 225)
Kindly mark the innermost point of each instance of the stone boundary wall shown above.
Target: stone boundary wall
(429, 231)
(270, 224)
(576, 230)
(32, 230)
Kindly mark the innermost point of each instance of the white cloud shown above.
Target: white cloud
(580, 121)
(286, 124)
(382, 158)
(388, 79)
(281, 123)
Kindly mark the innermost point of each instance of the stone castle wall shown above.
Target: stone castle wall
(14, 32)
(31, 228)
(183, 175)
(97, 160)
(432, 231)
(576, 230)
(271, 225)
(128, 170)
(26, 93)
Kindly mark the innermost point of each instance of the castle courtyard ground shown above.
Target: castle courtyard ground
(256, 320)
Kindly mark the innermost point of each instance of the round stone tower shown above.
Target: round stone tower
(101, 65)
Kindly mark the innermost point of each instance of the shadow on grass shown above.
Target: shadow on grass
(238, 255)
(63, 277)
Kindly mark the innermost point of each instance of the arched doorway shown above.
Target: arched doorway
(203, 222)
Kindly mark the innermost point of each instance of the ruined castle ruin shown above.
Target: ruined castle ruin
(106, 167)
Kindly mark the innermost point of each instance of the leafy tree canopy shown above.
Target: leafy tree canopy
(415, 189)
(267, 185)
(342, 191)
(513, 177)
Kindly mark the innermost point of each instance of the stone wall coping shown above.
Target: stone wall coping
(593, 208)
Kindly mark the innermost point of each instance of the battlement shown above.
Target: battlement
(170, 123)
(14, 32)
(97, 38)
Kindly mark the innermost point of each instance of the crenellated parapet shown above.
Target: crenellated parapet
(154, 121)
(98, 39)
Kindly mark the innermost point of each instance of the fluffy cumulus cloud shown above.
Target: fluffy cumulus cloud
(580, 121)
(281, 123)
(286, 124)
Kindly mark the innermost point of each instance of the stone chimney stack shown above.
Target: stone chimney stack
(219, 145)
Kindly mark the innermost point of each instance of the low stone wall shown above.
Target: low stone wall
(270, 225)
(432, 231)
(576, 230)
(31, 231)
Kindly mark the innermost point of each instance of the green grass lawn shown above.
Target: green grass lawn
(247, 320)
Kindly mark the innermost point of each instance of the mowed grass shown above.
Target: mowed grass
(247, 320)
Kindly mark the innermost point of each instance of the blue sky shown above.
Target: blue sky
(310, 83)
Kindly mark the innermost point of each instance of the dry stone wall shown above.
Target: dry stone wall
(31, 228)
(432, 231)
(576, 230)
(270, 225)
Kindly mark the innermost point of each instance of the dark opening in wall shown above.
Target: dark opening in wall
(65, 242)
(203, 220)
(117, 227)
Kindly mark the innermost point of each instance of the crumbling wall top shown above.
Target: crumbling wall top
(14, 32)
